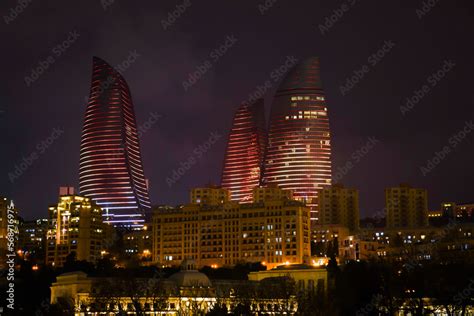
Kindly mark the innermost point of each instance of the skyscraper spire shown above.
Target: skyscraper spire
(298, 153)
(111, 169)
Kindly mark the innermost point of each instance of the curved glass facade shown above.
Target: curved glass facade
(244, 154)
(298, 153)
(111, 169)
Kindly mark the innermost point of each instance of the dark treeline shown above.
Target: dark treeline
(356, 288)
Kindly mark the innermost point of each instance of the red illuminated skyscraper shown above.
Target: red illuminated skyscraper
(298, 154)
(245, 150)
(111, 170)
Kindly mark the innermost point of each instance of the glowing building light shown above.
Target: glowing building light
(111, 170)
(244, 154)
(298, 152)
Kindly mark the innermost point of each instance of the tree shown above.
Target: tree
(104, 266)
(218, 309)
(141, 292)
(452, 286)
(311, 304)
(414, 290)
(318, 248)
(387, 301)
(244, 294)
(242, 310)
(281, 289)
(71, 261)
(72, 264)
(356, 286)
(64, 306)
(158, 293)
(105, 295)
(398, 240)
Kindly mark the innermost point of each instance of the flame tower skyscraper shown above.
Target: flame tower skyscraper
(111, 169)
(245, 151)
(298, 153)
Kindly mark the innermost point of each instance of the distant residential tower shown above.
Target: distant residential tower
(406, 207)
(338, 205)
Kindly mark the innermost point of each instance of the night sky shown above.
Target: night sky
(165, 52)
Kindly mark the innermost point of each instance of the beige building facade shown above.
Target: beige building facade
(273, 232)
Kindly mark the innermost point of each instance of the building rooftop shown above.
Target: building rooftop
(298, 266)
(190, 278)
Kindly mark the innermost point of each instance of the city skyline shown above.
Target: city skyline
(407, 124)
(237, 158)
